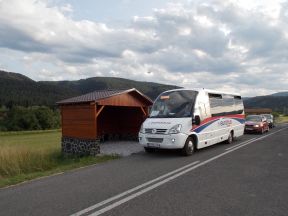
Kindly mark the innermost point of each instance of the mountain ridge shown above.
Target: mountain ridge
(284, 93)
(17, 89)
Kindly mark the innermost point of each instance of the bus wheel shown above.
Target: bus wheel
(189, 147)
(230, 138)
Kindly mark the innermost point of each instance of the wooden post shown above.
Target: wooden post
(143, 111)
(95, 119)
(61, 112)
(100, 110)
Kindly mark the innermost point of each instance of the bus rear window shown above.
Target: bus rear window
(237, 97)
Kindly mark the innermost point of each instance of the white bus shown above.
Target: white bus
(192, 119)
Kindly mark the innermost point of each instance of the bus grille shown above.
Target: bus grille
(155, 140)
(158, 131)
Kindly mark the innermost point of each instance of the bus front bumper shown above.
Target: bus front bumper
(169, 141)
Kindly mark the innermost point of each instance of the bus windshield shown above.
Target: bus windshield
(175, 104)
(268, 116)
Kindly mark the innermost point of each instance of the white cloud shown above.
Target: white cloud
(213, 44)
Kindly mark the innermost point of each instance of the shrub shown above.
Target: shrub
(31, 118)
(276, 114)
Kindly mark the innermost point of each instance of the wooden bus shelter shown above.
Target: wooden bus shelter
(101, 114)
(257, 111)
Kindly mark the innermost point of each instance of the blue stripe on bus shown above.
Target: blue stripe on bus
(202, 127)
(199, 129)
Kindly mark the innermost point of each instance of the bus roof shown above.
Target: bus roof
(204, 90)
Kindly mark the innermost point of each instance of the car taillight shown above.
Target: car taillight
(261, 124)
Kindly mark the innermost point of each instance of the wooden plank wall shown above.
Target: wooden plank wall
(79, 121)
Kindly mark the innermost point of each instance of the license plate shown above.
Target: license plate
(153, 145)
(249, 129)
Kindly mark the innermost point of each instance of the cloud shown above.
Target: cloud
(213, 44)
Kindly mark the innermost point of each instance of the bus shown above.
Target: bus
(189, 119)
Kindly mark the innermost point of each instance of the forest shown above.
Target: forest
(26, 104)
(19, 118)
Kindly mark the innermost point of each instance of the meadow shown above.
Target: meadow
(282, 119)
(32, 154)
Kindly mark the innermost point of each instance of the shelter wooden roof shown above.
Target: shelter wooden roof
(258, 110)
(100, 95)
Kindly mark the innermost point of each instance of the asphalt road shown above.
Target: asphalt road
(249, 177)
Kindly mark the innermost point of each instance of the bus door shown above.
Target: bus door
(204, 115)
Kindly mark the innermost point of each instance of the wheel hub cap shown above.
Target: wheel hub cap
(190, 145)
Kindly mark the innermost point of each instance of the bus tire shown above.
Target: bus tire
(189, 147)
(230, 138)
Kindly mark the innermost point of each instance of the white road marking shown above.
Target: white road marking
(170, 178)
(132, 190)
(255, 139)
(240, 144)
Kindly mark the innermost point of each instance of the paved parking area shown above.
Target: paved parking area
(123, 148)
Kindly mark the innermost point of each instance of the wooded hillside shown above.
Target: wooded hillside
(17, 89)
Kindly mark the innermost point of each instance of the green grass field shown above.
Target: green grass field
(46, 140)
(282, 119)
(28, 155)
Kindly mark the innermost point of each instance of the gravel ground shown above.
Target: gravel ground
(123, 148)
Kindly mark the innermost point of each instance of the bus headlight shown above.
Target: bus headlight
(175, 129)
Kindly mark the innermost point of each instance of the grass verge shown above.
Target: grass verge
(282, 119)
(59, 165)
(13, 133)
(25, 156)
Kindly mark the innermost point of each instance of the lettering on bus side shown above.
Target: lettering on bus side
(226, 122)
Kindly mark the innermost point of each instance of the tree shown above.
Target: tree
(30, 118)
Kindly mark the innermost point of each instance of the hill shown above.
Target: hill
(17, 89)
(276, 103)
(280, 94)
(83, 86)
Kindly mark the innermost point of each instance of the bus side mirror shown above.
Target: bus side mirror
(196, 120)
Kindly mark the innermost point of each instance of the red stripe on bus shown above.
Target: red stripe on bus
(207, 120)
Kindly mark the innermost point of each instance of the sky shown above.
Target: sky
(229, 45)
